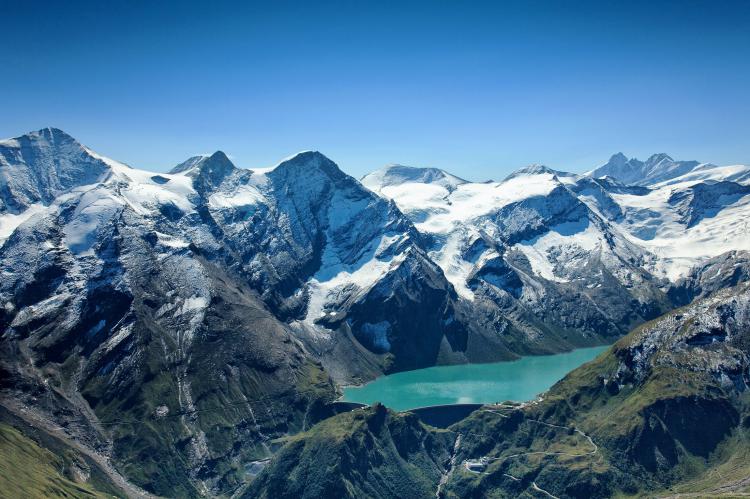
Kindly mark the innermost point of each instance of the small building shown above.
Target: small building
(475, 465)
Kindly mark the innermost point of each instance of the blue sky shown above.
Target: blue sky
(476, 88)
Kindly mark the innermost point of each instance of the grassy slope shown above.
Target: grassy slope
(28, 470)
(365, 453)
(615, 419)
(675, 432)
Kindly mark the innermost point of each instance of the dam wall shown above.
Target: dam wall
(439, 416)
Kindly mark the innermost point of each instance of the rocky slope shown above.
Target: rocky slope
(124, 324)
(542, 237)
(176, 323)
(529, 249)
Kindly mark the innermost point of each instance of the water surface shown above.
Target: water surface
(518, 380)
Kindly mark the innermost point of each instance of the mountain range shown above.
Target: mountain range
(168, 331)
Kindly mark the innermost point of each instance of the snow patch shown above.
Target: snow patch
(171, 241)
(143, 194)
(329, 282)
(443, 211)
(246, 195)
(9, 221)
(93, 212)
(655, 225)
(193, 304)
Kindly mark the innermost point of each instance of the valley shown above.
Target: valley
(185, 333)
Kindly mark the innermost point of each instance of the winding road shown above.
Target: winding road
(534, 485)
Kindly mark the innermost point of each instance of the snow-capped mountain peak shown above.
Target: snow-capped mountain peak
(316, 242)
(396, 174)
(129, 272)
(654, 160)
(206, 172)
(536, 169)
(49, 136)
(657, 168)
(618, 159)
(188, 164)
(216, 162)
(306, 165)
(38, 166)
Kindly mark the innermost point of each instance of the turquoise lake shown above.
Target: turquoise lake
(518, 380)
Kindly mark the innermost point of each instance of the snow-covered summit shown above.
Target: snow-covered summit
(307, 165)
(49, 136)
(396, 174)
(657, 168)
(188, 164)
(207, 172)
(38, 166)
(536, 169)
(529, 238)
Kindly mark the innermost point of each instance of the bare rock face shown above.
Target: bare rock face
(174, 322)
(723, 271)
(37, 167)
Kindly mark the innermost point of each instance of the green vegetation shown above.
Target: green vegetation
(662, 421)
(371, 452)
(727, 471)
(185, 424)
(665, 411)
(30, 471)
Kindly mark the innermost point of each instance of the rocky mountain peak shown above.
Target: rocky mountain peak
(46, 138)
(40, 165)
(616, 162)
(657, 168)
(188, 164)
(617, 159)
(657, 158)
(207, 172)
(218, 164)
(307, 165)
(52, 134)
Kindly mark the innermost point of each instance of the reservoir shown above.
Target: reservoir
(518, 380)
